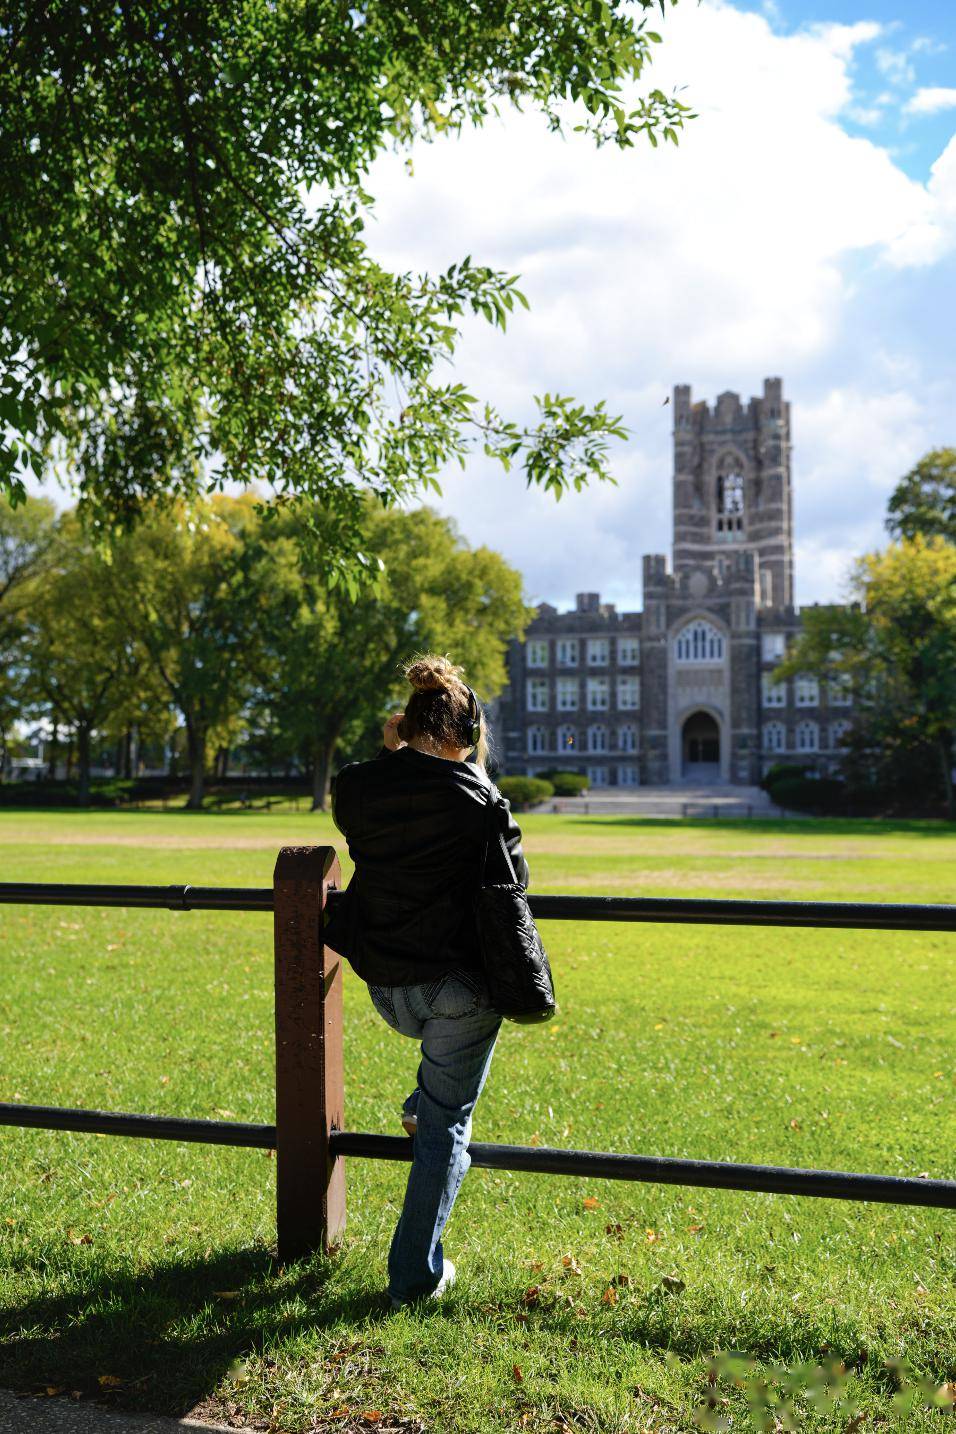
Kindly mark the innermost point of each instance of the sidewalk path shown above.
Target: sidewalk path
(68, 1416)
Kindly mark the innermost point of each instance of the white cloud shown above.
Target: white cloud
(933, 234)
(896, 66)
(734, 256)
(930, 100)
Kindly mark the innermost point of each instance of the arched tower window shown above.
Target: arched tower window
(699, 641)
(730, 499)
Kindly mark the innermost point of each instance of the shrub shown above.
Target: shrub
(808, 794)
(782, 772)
(569, 784)
(524, 792)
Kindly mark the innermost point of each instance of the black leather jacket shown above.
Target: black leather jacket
(416, 828)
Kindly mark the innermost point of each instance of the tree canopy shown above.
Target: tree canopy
(924, 500)
(187, 292)
(895, 647)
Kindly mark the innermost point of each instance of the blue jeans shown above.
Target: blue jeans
(453, 1019)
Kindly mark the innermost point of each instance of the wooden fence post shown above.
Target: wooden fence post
(310, 1184)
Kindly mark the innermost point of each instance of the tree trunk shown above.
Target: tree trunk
(128, 754)
(945, 742)
(69, 757)
(83, 764)
(322, 757)
(196, 742)
(54, 750)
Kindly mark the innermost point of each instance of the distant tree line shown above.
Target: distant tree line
(894, 646)
(213, 619)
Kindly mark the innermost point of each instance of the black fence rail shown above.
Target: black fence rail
(308, 1136)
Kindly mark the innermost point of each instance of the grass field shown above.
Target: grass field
(143, 1272)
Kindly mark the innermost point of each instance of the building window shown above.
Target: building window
(730, 505)
(598, 651)
(598, 694)
(567, 652)
(567, 738)
(774, 737)
(538, 652)
(839, 691)
(838, 731)
(628, 693)
(628, 651)
(537, 694)
(772, 694)
(699, 641)
(773, 646)
(567, 690)
(807, 691)
(597, 776)
(627, 738)
(808, 737)
(597, 738)
(627, 775)
(537, 739)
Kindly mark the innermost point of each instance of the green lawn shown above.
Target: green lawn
(143, 1272)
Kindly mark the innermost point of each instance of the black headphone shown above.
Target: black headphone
(472, 725)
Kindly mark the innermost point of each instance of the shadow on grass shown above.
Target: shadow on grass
(797, 826)
(167, 1338)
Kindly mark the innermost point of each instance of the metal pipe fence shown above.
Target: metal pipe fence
(308, 1135)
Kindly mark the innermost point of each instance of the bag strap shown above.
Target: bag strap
(491, 824)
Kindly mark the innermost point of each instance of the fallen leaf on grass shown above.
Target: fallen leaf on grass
(76, 1239)
(795, 1124)
(109, 1381)
(532, 1297)
(673, 1283)
(372, 1416)
(591, 1202)
(621, 1281)
(695, 1229)
(616, 1230)
(609, 1296)
(54, 1389)
(651, 1236)
(536, 1266)
(571, 1265)
(516, 1371)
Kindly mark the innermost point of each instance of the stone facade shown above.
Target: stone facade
(680, 692)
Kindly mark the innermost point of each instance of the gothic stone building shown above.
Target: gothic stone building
(682, 691)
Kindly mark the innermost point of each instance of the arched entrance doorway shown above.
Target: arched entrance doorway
(700, 748)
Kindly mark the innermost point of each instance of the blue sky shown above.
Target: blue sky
(806, 227)
(917, 51)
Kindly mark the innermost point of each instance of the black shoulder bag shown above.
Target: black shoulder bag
(516, 964)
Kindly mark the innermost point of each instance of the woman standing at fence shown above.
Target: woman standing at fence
(417, 819)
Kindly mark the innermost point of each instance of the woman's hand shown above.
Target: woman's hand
(390, 732)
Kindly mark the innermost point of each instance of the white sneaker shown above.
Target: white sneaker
(445, 1283)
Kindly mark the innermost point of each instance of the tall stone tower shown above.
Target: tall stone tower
(732, 487)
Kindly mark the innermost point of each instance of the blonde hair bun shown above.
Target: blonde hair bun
(431, 673)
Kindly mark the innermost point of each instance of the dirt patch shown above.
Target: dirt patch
(722, 882)
(152, 841)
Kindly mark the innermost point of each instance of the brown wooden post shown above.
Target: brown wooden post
(310, 1185)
